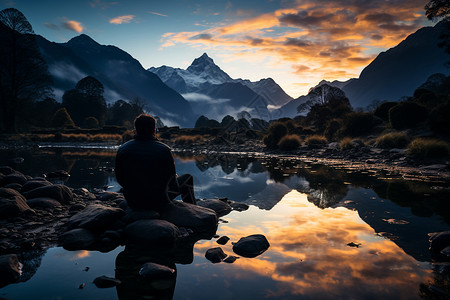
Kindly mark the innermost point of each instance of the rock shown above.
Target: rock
(223, 240)
(354, 245)
(156, 271)
(15, 177)
(12, 203)
(96, 217)
(251, 246)
(34, 184)
(199, 219)
(152, 233)
(5, 170)
(220, 207)
(435, 167)
(105, 196)
(446, 251)
(10, 269)
(132, 215)
(77, 239)
(230, 259)
(83, 192)
(106, 282)
(15, 186)
(239, 206)
(59, 192)
(43, 203)
(215, 255)
(439, 241)
(58, 174)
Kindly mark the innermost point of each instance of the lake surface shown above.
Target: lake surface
(309, 213)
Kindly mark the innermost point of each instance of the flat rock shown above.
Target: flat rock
(10, 269)
(43, 203)
(223, 240)
(251, 246)
(34, 184)
(215, 255)
(12, 203)
(59, 192)
(156, 271)
(220, 207)
(96, 217)
(106, 282)
(152, 233)
(78, 239)
(199, 219)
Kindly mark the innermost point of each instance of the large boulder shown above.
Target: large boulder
(439, 241)
(251, 246)
(5, 170)
(106, 282)
(78, 239)
(43, 203)
(150, 234)
(215, 255)
(10, 269)
(34, 184)
(96, 217)
(59, 192)
(199, 219)
(156, 271)
(220, 207)
(132, 215)
(12, 203)
(15, 177)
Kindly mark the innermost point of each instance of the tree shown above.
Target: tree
(24, 75)
(61, 118)
(86, 100)
(436, 9)
(322, 95)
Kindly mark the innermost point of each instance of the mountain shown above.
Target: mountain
(398, 71)
(121, 74)
(204, 85)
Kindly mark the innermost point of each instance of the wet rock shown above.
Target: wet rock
(220, 207)
(43, 203)
(239, 206)
(251, 246)
(106, 282)
(60, 193)
(77, 207)
(15, 177)
(132, 215)
(5, 170)
(14, 186)
(152, 233)
(439, 241)
(58, 174)
(34, 184)
(96, 217)
(105, 196)
(10, 269)
(83, 192)
(156, 271)
(223, 240)
(77, 239)
(12, 203)
(230, 259)
(215, 255)
(199, 219)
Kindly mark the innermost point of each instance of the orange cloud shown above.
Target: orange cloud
(73, 25)
(122, 19)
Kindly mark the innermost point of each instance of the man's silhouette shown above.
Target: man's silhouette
(145, 168)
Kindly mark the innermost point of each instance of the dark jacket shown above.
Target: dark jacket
(145, 168)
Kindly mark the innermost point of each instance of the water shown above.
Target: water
(309, 213)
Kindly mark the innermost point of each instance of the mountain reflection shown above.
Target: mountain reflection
(309, 255)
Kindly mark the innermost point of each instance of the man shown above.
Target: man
(145, 168)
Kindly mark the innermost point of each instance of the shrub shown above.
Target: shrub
(439, 118)
(428, 148)
(346, 143)
(316, 141)
(275, 132)
(382, 111)
(392, 140)
(332, 128)
(187, 139)
(407, 115)
(61, 118)
(91, 122)
(289, 142)
(358, 123)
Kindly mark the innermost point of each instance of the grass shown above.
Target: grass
(289, 142)
(188, 139)
(316, 140)
(393, 140)
(428, 148)
(346, 143)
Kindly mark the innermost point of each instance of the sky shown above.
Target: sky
(296, 42)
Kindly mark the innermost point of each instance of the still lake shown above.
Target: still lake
(309, 213)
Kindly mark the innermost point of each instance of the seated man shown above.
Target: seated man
(145, 168)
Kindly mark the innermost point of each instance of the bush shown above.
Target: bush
(407, 115)
(91, 122)
(392, 140)
(332, 128)
(428, 148)
(316, 141)
(187, 139)
(289, 142)
(275, 132)
(358, 123)
(439, 118)
(61, 118)
(382, 111)
(346, 143)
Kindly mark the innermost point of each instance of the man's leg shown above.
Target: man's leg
(186, 185)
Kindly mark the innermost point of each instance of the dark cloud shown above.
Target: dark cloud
(304, 19)
(301, 68)
(255, 41)
(52, 26)
(360, 59)
(379, 18)
(376, 37)
(296, 42)
(398, 27)
(202, 36)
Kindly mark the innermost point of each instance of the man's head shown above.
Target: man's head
(145, 126)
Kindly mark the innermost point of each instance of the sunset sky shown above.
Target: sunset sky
(297, 43)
